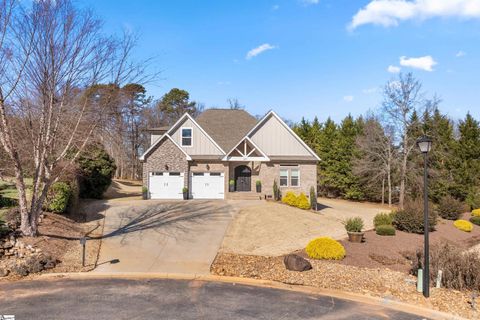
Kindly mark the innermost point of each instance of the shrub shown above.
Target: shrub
(475, 220)
(290, 198)
(382, 219)
(97, 169)
(258, 183)
(313, 198)
(277, 195)
(410, 219)
(144, 189)
(355, 195)
(231, 182)
(354, 224)
(476, 213)
(325, 248)
(461, 269)
(184, 190)
(450, 208)
(7, 202)
(385, 230)
(58, 197)
(4, 230)
(463, 225)
(302, 202)
(473, 199)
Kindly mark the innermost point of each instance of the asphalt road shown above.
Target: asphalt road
(174, 299)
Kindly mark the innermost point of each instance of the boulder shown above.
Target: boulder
(20, 269)
(3, 272)
(294, 262)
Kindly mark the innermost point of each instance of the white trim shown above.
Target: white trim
(191, 137)
(291, 175)
(246, 159)
(280, 177)
(264, 156)
(165, 135)
(271, 112)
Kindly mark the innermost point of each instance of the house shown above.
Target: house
(222, 145)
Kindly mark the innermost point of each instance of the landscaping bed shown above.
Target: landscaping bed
(378, 282)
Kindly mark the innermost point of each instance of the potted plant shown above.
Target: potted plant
(258, 185)
(354, 228)
(144, 193)
(185, 193)
(231, 185)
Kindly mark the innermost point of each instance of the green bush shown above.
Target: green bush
(450, 208)
(355, 195)
(475, 220)
(302, 202)
(290, 198)
(313, 198)
(7, 202)
(277, 195)
(58, 197)
(385, 230)
(410, 219)
(325, 248)
(473, 199)
(97, 169)
(4, 230)
(383, 219)
(354, 224)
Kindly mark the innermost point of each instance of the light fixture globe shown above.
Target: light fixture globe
(424, 143)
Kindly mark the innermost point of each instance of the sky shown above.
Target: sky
(305, 58)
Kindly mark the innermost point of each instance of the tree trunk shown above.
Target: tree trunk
(383, 191)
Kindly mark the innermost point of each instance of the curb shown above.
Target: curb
(374, 301)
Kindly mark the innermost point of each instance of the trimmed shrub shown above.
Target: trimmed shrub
(476, 213)
(410, 219)
(354, 224)
(290, 198)
(460, 269)
(58, 197)
(302, 202)
(450, 208)
(463, 225)
(383, 219)
(277, 195)
(97, 169)
(475, 220)
(313, 198)
(385, 230)
(325, 248)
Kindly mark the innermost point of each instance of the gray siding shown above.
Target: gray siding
(201, 145)
(275, 140)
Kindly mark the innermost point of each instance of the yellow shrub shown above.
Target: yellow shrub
(303, 202)
(463, 225)
(325, 248)
(476, 213)
(290, 198)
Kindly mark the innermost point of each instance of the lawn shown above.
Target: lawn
(9, 191)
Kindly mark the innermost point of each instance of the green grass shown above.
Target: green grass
(9, 190)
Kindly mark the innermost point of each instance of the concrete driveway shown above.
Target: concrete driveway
(162, 236)
(274, 229)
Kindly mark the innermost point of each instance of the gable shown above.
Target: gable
(275, 139)
(201, 143)
(165, 145)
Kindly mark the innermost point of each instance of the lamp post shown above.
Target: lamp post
(424, 143)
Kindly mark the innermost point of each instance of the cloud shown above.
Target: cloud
(260, 49)
(275, 7)
(460, 54)
(393, 69)
(309, 2)
(390, 13)
(423, 63)
(370, 90)
(348, 98)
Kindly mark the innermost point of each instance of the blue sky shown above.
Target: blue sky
(320, 58)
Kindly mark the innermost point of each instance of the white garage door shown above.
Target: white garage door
(207, 185)
(166, 185)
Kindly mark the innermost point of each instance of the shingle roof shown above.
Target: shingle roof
(226, 126)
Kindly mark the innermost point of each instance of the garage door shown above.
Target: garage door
(166, 185)
(207, 185)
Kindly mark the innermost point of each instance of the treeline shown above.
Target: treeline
(375, 157)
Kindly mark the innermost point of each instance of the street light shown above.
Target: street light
(424, 143)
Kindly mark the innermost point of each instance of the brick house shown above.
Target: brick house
(221, 146)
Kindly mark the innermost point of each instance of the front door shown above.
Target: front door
(243, 178)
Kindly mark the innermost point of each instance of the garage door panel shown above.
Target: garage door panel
(166, 185)
(206, 185)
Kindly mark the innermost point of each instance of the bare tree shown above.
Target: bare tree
(53, 55)
(402, 97)
(235, 104)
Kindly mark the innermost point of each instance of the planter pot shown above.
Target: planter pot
(144, 195)
(231, 188)
(185, 195)
(355, 236)
(259, 188)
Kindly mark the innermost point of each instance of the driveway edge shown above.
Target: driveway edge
(375, 301)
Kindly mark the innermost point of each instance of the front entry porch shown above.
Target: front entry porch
(242, 179)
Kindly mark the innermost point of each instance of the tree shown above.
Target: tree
(52, 54)
(234, 104)
(173, 105)
(402, 97)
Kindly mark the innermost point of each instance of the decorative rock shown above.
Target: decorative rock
(296, 263)
(3, 272)
(20, 269)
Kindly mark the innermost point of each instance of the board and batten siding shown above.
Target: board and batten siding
(275, 140)
(201, 144)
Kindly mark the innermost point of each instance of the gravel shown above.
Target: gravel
(377, 282)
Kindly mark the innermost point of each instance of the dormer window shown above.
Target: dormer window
(186, 137)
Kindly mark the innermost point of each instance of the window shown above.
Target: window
(216, 174)
(283, 177)
(294, 177)
(174, 173)
(198, 174)
(156, 173)
(186, 137)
